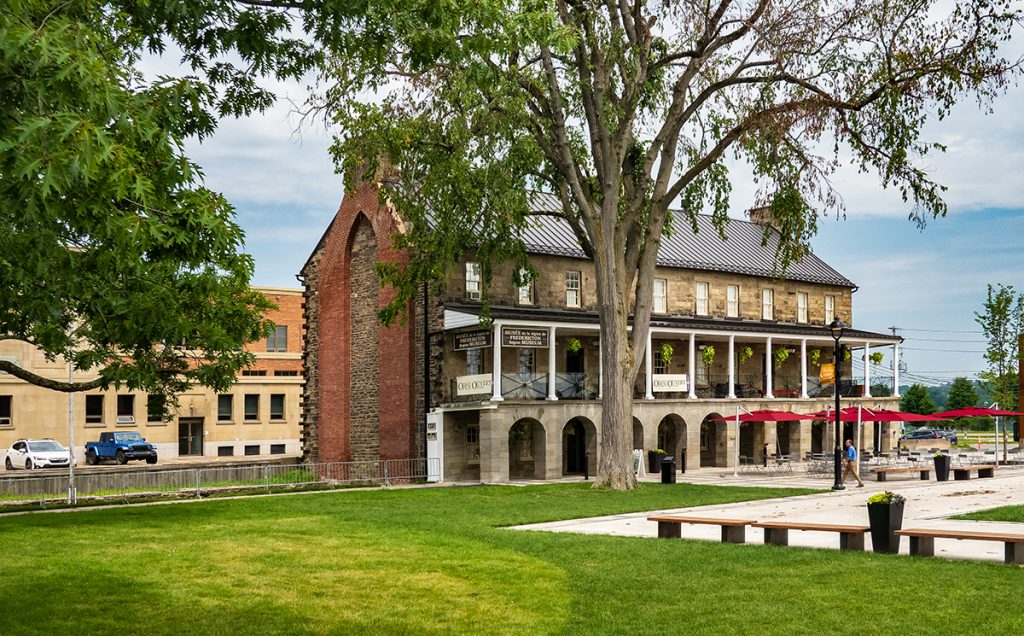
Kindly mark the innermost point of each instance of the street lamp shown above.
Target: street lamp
(837, 327)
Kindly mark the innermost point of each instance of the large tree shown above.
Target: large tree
(112, 253)
(628, 111)
(917, 400)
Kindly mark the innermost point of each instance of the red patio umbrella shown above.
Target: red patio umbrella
(765, 416)
(978, 411)
(850, 414)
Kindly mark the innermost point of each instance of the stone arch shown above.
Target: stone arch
(526, 444)
(363, 342)
(579, 446)
(714, 442)
(672, 436)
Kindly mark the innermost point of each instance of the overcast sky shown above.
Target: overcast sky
(928, 282)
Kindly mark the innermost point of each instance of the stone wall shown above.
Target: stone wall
(363, 346)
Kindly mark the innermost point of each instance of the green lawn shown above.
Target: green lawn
(1006, 513)
(437, 561)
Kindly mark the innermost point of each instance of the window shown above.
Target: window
(525, 293)
(660, 366)
(94, 409)
(254, 372)
(155, 408)
(702, 374)
(526, 361)
(225, 406)
(732, 301)
(277, 338)
(285, 373)
(830, 309)
(472, 444)
(801, 307)
(474, 361)
(572, 289)
(277, 406)
(660, 296)
(702, 299)
(473, 281)
(225, 451)
(252, 407)
(767, 304)
(126, 409)
(5, 410)
(252, 449)
(277, 449)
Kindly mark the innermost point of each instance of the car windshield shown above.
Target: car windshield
(45, 446)
(129, 437)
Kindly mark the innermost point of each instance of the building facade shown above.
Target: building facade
(258, 416)
(520, 399)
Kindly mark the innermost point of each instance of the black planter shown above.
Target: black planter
(885, 520)
(942, 462)
(654, 462)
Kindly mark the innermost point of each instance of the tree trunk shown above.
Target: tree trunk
(615, 469)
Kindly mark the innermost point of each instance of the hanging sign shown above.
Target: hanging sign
(827, 375)
(524, 337)
(670, 383)
(473, 384)
(472, 340)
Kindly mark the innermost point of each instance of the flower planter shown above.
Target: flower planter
(942, 467)
(654, 462)
(885, 520)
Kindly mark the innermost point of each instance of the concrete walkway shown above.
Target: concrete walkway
(929, 505)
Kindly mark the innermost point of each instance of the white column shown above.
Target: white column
(693, 366)
(496, 359)
(803, 368)
(732, 369)
(867, 369)
(769, 360)
(896, 369)
(551, 364)
(648, 369)
(600, 368)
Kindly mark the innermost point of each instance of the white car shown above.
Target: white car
(37, 453)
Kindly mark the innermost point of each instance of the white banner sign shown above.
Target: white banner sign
(670, 383)
(473, 384)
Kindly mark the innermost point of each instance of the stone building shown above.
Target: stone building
(521, 398)
(258, 416)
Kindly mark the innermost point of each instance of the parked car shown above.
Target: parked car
(921, 433)
(120, 446)
(950, 435)
(37, 453)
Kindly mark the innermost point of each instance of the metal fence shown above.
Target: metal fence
(197, 482)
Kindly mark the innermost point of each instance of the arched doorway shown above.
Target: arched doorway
(747, 439)
(713, 444)
(526, 450)
(672, 436)
(818, 434)
(638, 434)
(579, 446)
(787, 435)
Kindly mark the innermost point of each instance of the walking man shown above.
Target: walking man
(851, 464)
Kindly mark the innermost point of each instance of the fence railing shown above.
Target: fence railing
(200, 481)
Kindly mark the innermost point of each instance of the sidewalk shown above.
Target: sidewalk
(929, 504)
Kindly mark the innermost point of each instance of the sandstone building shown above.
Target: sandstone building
(520, 399)
(259, 416)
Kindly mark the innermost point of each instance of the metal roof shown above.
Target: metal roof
(544, 314)
(741, 252)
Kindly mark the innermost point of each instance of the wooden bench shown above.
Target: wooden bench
(961, 473)
(922, 541)
(777, 532)
(882, 471)
(733, 530)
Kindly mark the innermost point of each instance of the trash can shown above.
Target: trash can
(668, 470)
(682, 461)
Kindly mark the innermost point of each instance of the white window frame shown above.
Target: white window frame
(660, 296)
(277, 338)
(524, 293)
(530, 356)
(703, 374)
(702, 301)
(658, 361)
(767, 304)
(830, 308)
(474, 361)
(574, 289)
(473, 286)
(732, 301)
(801, 307)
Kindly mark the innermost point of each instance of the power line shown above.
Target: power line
(946, 340)
(940, 330)
(944, 350)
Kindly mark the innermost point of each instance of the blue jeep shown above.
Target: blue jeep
(120, 446)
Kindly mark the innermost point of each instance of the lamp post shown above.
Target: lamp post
(837, 327)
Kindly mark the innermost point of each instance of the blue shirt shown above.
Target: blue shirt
(851, 453)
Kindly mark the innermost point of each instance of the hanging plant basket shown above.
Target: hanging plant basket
(708, 355)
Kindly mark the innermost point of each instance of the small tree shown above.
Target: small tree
(917, 400)
(961, 394)
(1002, 322)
